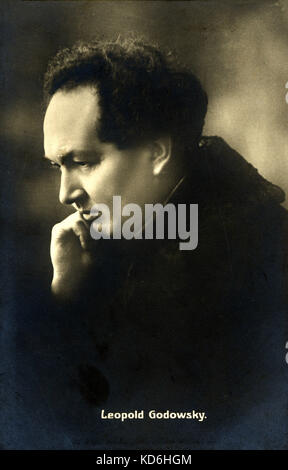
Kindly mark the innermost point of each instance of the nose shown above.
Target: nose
(71, 190)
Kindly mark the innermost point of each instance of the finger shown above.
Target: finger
(80, 230)
(72, 225)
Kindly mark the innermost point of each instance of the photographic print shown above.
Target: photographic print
(144, 225)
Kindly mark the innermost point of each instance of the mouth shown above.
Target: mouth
(88, 217)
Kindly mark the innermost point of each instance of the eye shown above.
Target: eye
(54, 165)
(81, 163)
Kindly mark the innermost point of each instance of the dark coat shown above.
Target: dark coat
(165, 329)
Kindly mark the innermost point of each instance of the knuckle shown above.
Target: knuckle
(55, 229)
(58, 229)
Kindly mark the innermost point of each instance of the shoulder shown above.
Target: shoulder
(234, 177)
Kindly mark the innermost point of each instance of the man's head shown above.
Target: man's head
(117, 114)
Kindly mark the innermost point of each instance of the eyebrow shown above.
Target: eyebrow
(61, 158)
(72, 154)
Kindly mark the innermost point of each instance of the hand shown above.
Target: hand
(71, 255)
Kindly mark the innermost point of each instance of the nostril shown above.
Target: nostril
(68, 195)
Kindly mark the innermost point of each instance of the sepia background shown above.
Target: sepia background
(238, 49)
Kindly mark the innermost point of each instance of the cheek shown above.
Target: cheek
(105, 181)
(139, 183)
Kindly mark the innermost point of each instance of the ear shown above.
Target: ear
(161, 153)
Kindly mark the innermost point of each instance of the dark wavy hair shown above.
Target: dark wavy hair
(142, 93)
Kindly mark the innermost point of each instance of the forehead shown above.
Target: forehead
(70, 119)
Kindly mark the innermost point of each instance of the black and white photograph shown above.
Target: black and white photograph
(144, 244)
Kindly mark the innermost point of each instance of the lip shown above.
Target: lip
(88, 217)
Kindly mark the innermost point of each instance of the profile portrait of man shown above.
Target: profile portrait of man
(142, 324)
